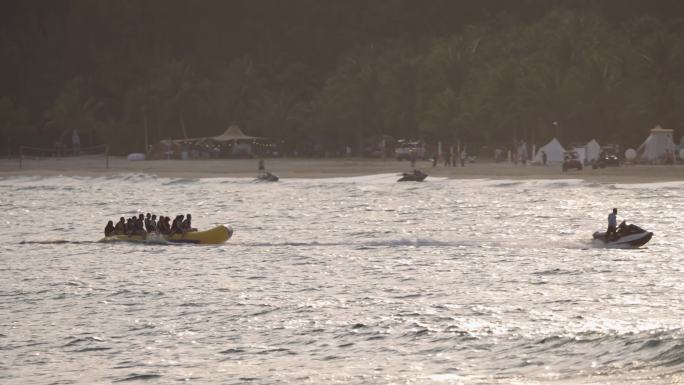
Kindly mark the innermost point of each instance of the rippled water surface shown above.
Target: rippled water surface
(341, 281)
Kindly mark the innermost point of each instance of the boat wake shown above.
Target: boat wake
(57, 242)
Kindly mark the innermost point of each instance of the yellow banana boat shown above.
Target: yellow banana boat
(217, 235)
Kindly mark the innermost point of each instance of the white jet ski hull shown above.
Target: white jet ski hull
(631, 240)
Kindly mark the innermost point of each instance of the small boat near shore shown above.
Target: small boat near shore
(217, 235)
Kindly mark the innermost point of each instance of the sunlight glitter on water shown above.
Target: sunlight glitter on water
(349, 280)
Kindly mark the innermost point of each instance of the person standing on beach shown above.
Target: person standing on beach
(76, 142)
(522, 153)
(544, 157)
(463, 157)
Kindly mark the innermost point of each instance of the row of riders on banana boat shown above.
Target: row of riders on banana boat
(147, 224)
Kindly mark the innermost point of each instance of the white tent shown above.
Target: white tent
(232, 133)
(657, 145)
(593, 150)
(554, 152)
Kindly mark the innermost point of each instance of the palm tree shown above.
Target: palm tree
(75, 109)
(11, 121)
(176, 89)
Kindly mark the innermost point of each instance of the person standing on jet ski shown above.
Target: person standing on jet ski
(612, 225)
(262, 169)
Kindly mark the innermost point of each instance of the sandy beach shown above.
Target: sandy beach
(327, 168)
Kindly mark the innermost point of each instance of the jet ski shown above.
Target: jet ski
(626, 235)
(415, 176)
(267, 177)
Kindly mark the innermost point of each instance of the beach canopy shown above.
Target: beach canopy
(232, 133)
(657, 145)
(592, 150)
(554, 152)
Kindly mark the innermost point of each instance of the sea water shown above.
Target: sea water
(341, 281)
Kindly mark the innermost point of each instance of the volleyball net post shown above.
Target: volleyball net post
(31, 153)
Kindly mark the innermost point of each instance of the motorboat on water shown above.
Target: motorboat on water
(415, 176)
(267, 177)
(626, 236)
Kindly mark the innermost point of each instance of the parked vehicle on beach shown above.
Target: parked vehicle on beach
(606, 158)
(571, 161)
(405, 147)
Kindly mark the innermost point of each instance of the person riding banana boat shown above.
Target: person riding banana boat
(148, 224)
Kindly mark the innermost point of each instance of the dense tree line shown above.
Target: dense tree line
(335, 72)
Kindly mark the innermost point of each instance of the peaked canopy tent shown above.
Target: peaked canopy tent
(232, 133)
(243, 145)
(554, 152)
(231, 143)
(657, 146)
(592, 151)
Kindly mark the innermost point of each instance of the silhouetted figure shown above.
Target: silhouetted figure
(153, 224)
(76, 143)
(109, 229)
(120, 227)
(148, 218)
(262, 169)
(612, 225)
(186, 225)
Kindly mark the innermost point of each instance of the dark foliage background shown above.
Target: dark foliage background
(334, 72)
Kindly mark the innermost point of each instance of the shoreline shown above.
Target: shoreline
(94, 166)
